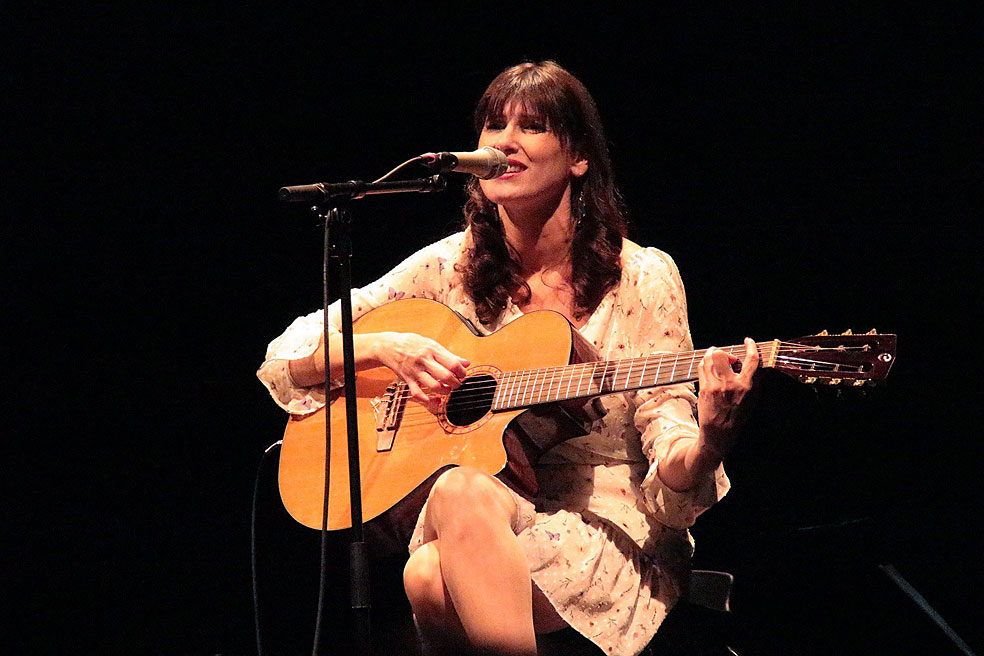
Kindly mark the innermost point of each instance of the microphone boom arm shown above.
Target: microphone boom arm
(355, 189)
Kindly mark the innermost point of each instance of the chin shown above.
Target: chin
(500, 194)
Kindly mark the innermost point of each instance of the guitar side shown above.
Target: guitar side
(422, 444)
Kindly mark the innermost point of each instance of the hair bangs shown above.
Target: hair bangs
(540, 92)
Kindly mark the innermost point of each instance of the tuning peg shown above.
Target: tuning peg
(809, 380)
(823, 333)
(858, 382)
(872, 332)
(847, 332)
(833, 381)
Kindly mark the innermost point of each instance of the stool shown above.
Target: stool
(698, 624)
(710, 589)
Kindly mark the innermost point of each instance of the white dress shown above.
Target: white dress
(607, 541)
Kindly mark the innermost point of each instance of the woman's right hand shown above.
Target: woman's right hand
(429, 370)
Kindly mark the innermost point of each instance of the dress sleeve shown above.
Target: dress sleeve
(422, 275)
(666, 414)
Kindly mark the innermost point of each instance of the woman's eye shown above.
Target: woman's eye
(535, 127)
(494, 125)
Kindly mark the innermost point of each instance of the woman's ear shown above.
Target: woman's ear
(579, 167)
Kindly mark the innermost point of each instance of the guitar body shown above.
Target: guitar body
(423, 444)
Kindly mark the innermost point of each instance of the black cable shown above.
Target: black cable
(252, 547)
(323, 577)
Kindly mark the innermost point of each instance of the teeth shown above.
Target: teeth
(514, 169)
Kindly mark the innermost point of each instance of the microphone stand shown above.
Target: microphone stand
(330, 200)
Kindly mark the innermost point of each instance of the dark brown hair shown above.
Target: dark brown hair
(492, 273)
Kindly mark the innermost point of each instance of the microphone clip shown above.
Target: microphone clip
(440, 162)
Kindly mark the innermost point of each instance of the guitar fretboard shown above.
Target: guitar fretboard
(521, 389)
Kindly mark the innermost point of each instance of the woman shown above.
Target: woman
(605, 549)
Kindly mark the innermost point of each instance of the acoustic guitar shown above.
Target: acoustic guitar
(528, 389)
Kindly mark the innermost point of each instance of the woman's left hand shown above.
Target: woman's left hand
(722, 404)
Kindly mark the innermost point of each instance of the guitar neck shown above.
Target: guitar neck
(525, 388)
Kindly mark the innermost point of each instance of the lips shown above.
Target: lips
(515, 166)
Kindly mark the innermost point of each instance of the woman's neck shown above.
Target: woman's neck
(541, 237)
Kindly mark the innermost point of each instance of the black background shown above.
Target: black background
(807, 168)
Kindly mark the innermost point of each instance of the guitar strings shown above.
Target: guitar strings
(612, 369)
(477, 395)
(486, 400)
(524, 377)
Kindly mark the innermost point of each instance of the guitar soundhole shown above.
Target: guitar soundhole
(471, 401)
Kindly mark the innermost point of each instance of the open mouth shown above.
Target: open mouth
(515, 167)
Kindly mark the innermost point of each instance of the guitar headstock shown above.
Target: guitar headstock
(845, 359)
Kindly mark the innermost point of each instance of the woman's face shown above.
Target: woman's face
(540, 169)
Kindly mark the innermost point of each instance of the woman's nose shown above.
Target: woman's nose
(505, 140)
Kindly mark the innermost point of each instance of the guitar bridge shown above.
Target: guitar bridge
(388, 410)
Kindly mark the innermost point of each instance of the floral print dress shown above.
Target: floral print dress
(606, 540)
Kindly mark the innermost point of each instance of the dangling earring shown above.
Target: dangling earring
(579, 208)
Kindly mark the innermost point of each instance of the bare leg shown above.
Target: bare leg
(433, 612)
(437, 621)
(482, 564)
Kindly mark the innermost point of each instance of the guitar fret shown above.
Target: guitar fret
(570, 380)
(553, 374)
(506, 391)
(628, 376)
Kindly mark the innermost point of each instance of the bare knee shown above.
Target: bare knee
(424, 585)
(466, 494)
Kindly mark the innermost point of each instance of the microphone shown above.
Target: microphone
(484, 163)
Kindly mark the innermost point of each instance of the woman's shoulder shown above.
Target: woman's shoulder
(446, 250)
(646, 262)
(453, 244)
